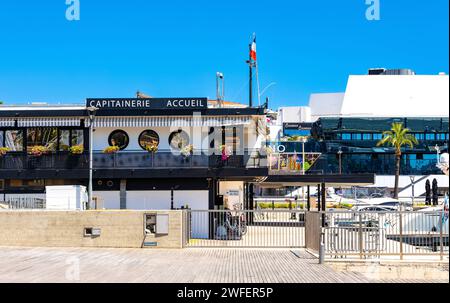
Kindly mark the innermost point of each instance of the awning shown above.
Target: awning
(48, 122)
(6, 122)
(170, 121)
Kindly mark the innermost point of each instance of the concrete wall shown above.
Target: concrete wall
(119, 229)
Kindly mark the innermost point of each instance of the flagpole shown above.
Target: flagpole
(257, 83)
(250, 95)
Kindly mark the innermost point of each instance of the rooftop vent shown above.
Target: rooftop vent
(39, 103)
(391, 72)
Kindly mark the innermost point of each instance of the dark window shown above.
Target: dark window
(77, 137)
(178, 139)
(47, 137)
(442, 136)
(64, 140)
(14, 140)
(346, 136)
(420, 136)
(430, 137)
(367, 136)
(148, 137)
(69, 138)
(377, 137)
(356, 137)
(119, 138)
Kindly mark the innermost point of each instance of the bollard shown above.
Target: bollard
(322, 249)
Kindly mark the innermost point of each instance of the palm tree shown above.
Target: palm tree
(398, 137)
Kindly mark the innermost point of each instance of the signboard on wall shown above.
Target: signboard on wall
(149, 103)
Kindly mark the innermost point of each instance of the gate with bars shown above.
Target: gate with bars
(245, 228)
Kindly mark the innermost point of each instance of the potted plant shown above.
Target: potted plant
(187, 151)
(74, 156)
(225, 156)
(111, 150)
(39, 150)
(76, 150)
(151, 148)
(4, 151)
(36, 152)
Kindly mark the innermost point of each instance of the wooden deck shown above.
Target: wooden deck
(67, 265)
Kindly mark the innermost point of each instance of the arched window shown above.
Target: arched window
(148, 137)
(119, 138)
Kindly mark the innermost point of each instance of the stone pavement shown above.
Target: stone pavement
(203, 265)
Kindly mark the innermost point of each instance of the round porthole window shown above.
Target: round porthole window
(147, 138)
(178, 139)
(119, 138)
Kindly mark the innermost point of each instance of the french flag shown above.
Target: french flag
(253, 50)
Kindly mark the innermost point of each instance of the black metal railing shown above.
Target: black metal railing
(130, 160)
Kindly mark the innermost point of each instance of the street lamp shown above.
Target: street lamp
(412, 188)
(304, 140)
(92, 111)
(438, 150)
(340, 160)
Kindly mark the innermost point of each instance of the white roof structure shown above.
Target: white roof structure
(324, 105)
(383, 96)
(396, 96)
(386, 96)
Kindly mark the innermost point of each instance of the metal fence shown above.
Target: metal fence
(378, 234)
(245, 228)
(23, 203)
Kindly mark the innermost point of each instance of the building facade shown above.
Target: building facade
(147, 153)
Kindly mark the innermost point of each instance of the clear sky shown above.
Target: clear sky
(174, 48)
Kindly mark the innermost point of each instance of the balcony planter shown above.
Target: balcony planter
(73, 159)
(3, 151)
(35, 159)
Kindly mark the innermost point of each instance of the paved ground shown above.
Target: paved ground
(63, 265)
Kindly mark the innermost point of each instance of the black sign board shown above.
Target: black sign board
(297, 126)
(149, 103)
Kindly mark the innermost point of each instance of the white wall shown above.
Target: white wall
(151, 200)
(198, 137)
(196, 199)
(101, 137)
(108, 199)
(326, 105)
(294, 114)
(225, 186)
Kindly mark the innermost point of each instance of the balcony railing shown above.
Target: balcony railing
(130, 160)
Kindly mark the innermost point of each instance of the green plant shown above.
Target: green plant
(398, 137)
(188, 150)
(4, 151)
(151, 148)
(76, 150)
(111, 150)
(39, 150)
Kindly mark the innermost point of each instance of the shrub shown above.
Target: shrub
(39, 150)
(3, 151)
(151, 148)
(76, 150)
(280, 205)
(111, 150)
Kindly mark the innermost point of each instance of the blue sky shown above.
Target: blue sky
(174, 48)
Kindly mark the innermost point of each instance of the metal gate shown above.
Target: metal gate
(245, 228)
